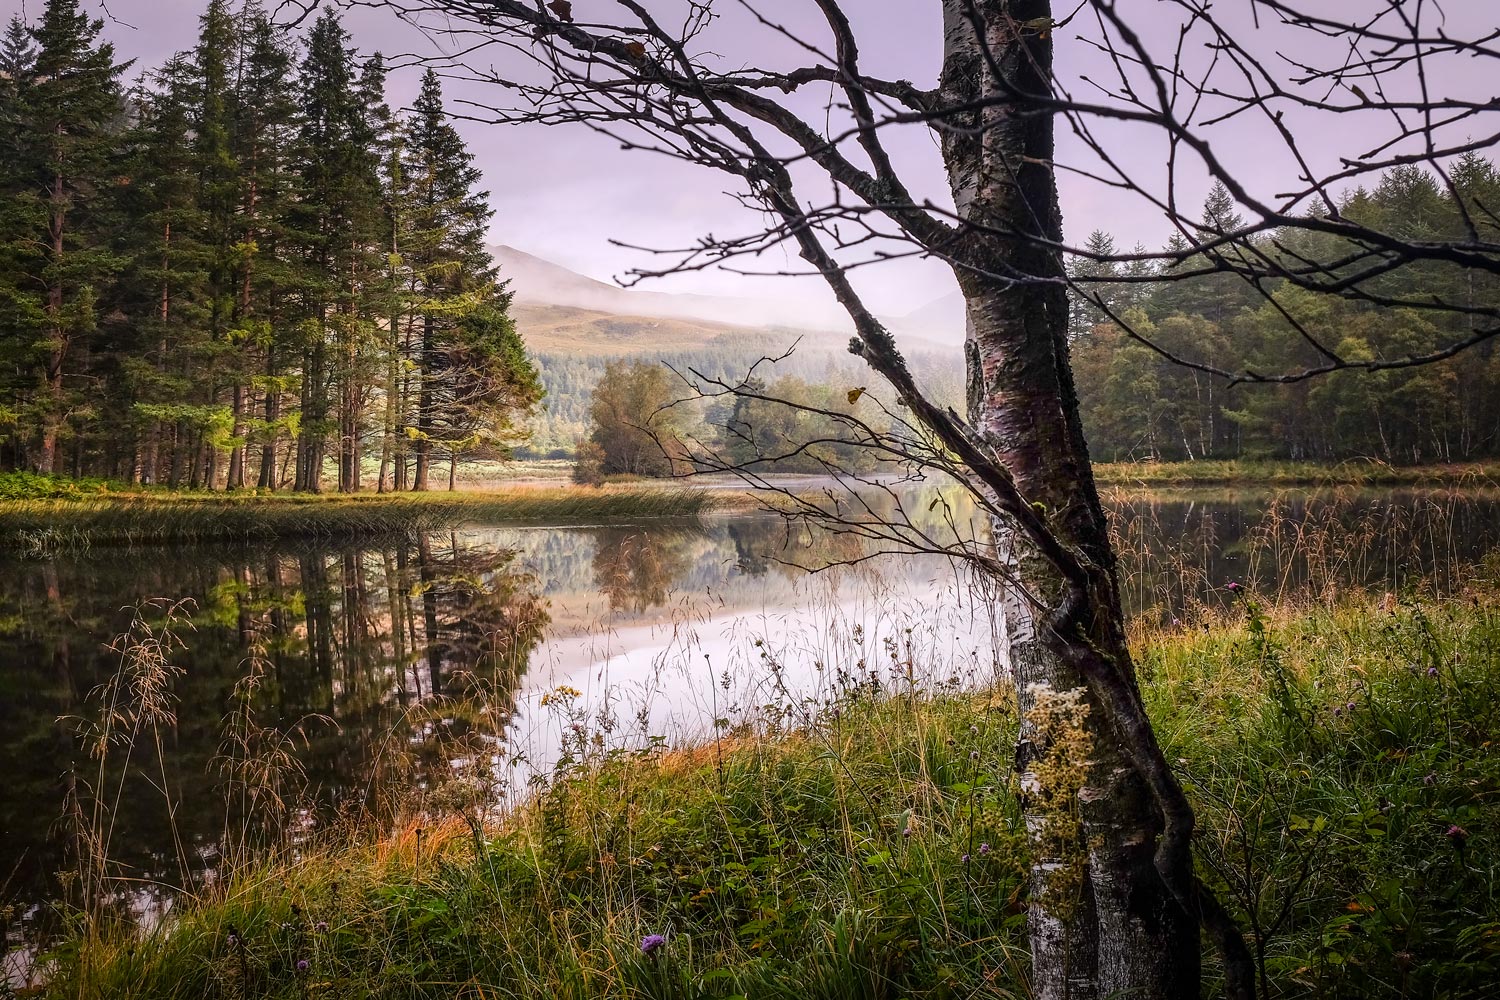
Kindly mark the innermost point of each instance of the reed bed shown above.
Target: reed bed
(39, 526)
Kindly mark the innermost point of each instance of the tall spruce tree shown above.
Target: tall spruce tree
(70, 114)
(163, 284)
(19, 311)
(337, 217)
(453, 272)
(267, 275)
(214, 68)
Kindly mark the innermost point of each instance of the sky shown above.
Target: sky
(563, 193)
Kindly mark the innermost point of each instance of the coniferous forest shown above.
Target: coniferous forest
(243, 268)
(1141, 405)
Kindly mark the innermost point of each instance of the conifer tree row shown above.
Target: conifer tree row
(243, 268)
(1137, 404)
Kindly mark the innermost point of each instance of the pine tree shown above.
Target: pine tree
(20, 313)
(1093, 287)
(219, 179)
(164, 280)
(453, 272)
(267, 273)
(70, 115)
(337, 217)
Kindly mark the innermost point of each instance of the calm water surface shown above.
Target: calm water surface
(298, 683)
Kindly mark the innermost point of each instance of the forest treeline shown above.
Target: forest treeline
(243, 269)
(1139, 405)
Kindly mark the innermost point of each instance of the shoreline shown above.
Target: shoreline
(49, 525)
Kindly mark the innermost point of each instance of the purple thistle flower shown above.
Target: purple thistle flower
(1458, 835)
(320, 926)
(1232, 586)
(302, 965)
(651, 943)
(964, 859)
(984, 848)
(1432, 671)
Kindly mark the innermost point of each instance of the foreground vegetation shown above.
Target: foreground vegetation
(81, 521)
(1339, 757)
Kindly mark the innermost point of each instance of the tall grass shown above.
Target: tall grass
(871, 845)
(1178, 556)
(1264, 472)
(39, 526)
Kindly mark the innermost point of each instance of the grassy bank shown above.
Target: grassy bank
(39, 525)
(1341, 761)
(1271, 473)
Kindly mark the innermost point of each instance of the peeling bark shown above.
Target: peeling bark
(1117, 929)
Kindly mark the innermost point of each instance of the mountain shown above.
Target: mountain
(572, 311)
(560, 310)
(577, 325)
(550, 328)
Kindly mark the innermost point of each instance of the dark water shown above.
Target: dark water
(264, 692)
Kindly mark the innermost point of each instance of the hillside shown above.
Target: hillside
(560, 310)
(563, 329)
(574, 325)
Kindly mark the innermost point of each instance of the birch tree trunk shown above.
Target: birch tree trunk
(1103, 922)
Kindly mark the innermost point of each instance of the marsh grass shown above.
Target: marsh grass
(1339, 753)
(37, 527)
(1319, 544)
(1249, 472)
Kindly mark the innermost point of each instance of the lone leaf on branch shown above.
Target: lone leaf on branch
(854, 394)
(636, 49)
(563, 9)
(1359, 93)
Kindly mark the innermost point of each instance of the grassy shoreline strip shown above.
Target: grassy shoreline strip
(1238, 473)
(49, 525)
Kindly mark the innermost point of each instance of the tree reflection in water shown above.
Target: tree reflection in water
(316, 684)
(637, 569)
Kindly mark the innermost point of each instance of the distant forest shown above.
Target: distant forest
(1139, 405)
(245, 268)
(570, 379)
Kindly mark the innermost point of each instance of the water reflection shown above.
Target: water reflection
(282, 678)
(319, 682)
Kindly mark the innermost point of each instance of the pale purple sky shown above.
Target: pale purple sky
(562, 192)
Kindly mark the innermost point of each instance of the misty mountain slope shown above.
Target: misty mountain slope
(561, 310)
(553, 328)
(574, 325)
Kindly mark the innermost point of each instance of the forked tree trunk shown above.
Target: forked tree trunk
(1103, 922)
